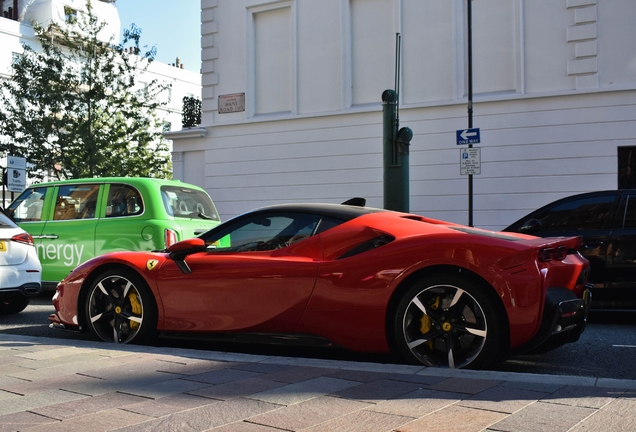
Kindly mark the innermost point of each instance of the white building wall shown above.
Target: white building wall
(554, 88)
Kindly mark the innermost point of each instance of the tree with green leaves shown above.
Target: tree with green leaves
(77, 108)
(191, 116)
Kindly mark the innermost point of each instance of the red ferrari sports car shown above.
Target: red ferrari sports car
(438, 293)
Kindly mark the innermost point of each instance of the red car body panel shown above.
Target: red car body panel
(304, 288)
(258, 293)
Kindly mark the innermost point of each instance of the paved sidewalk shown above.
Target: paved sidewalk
(69, 385)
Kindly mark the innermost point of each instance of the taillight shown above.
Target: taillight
(550, 254)
(24, 238)
(560, 253)
(169, 237)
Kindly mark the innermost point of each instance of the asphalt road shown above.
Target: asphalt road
(606, 349)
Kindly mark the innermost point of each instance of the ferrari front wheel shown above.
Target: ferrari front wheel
(120, 307)
(447, 321)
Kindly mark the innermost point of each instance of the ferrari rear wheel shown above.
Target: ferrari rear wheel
(447, 321)
(120, 308)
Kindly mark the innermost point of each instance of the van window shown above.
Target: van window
(183, 202)
(28, 206)
(123, 200)
(76, 202)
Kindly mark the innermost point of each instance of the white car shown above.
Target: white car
(20, 268)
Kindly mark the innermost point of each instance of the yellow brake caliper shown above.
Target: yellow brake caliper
(136, 309)
(425, 322)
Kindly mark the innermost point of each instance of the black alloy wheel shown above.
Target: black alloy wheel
(448, 321)
(120, 308)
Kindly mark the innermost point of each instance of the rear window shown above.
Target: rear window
(182, 202)
(5, 222)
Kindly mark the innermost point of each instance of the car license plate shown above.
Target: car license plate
(3, 246)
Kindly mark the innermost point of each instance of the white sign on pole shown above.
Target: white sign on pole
(470, 161)
(16, 173)
(16, 162)
(16, 180)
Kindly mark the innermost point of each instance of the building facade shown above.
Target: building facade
(16, 28)
(554, 98)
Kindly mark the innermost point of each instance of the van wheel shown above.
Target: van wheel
(120, 308)
(448, 321)
(13, 303)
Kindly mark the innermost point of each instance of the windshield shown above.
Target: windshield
(182, 202)
(28, 206)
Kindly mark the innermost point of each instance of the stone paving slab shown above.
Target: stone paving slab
(137, 388)
(617, 416)
(36, 400)
(302, 391)
(205, 417)
(378, 391)
(454, 419)
(102, 421)
(89, 405)
(362, 421)
(168, 405)
(590, 397)
(418, 403)
(544, 417)
(22, 421)
(502, 399)
(72, 383)
(308, 413)
(54, 353)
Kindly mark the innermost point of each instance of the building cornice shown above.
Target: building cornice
(196, 132)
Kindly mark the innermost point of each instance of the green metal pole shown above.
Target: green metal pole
(402, 143)
(396, 156)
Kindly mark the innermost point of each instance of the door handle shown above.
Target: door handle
(46, 236)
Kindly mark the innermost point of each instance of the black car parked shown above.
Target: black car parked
(607, 222)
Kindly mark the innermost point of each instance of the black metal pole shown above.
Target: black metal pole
(470, 103)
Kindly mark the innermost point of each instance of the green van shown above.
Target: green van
(72, 221)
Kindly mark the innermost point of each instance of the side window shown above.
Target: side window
(630, 213)
(76, 202)
(264, 232)
(626, 167)
(583, 214)
(29, 205)
(123, 200)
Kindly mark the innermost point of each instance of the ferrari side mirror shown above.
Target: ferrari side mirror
(180, 250)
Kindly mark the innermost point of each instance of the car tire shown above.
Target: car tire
(448, 321)
(13, 303)
(121, 308)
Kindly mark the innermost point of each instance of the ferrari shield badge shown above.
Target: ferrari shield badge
(152, 264)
